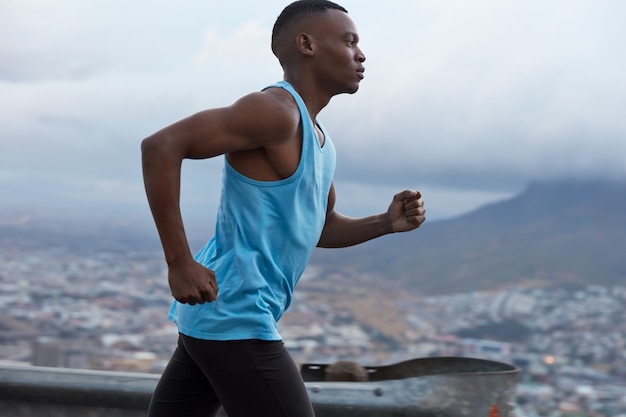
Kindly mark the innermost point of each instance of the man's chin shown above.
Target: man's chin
(353, 89)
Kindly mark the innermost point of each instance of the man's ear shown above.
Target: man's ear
(305, 44)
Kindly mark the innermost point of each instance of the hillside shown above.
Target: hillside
(552, 233)
(568, 232)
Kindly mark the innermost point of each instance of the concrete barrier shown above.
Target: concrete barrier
(429, 387)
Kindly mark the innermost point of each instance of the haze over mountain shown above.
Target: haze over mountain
(567, 232)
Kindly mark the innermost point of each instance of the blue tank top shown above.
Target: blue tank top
(264, 236)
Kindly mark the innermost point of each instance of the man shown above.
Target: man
(277, 204)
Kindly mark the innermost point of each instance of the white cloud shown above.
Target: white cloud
(245, 44)
(477, 96)
(518, 89)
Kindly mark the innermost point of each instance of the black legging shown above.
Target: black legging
(249, 378)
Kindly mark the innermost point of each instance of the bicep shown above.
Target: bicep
(249, 123)
(210, 133)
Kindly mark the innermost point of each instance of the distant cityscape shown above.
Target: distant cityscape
(107, 311)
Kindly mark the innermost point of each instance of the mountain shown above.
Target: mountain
(82, 233)
(561, 233)
(567, 232)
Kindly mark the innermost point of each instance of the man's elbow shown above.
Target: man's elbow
(327, 242)
(156, 146)
(148, 145)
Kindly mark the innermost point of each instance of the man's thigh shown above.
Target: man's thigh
(183, 389)
(252, 377)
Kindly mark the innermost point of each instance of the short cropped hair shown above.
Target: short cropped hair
(298, 10)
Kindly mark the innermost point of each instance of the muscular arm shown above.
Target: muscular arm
(253, 122)
(406, 212)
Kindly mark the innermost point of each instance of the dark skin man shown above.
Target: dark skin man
(262, 136)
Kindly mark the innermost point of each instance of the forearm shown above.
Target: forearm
(342, 231)
(161, 167)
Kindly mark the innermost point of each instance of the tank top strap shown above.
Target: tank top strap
(307, 124)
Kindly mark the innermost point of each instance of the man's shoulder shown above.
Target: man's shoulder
(274, 105)
(276, 98)
(270, 116)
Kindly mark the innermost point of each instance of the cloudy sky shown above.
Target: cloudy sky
(468, 101)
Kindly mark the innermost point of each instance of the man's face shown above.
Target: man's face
(339, 59)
